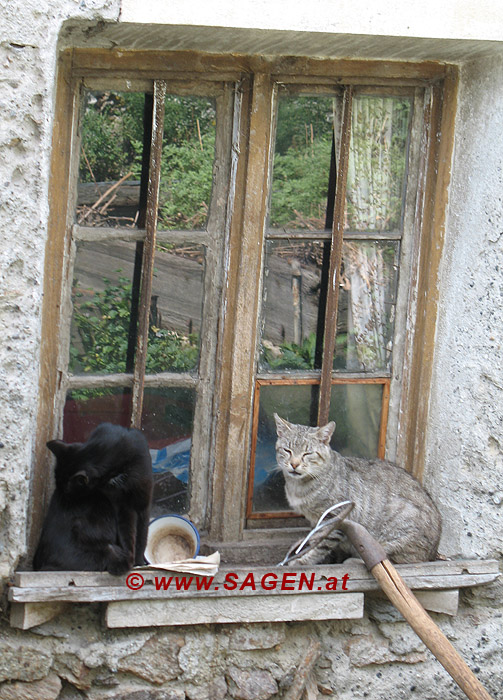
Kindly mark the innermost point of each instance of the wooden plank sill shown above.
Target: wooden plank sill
(237, 594)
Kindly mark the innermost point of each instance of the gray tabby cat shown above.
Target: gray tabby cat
(389, 502)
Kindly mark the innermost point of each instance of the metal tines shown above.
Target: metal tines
(321, 529)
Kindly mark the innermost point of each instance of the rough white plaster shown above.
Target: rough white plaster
(466, 430)
(376, 657)
(27, 79)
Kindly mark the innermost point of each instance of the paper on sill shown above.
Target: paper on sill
(199, 566)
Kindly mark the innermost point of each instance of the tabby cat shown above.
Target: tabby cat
(388, 501)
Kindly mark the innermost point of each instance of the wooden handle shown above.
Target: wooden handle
(404, 600)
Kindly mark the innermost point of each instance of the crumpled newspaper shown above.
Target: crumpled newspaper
(199, 566)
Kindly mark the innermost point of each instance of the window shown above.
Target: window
(146, 278)
(238, 237)
(337, 204)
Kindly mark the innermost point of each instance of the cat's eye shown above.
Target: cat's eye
(80, 479)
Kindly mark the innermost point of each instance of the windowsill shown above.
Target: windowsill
(238, 594)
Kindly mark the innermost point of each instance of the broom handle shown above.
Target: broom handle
(404, 600)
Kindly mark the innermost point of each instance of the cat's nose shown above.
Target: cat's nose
(294, 463)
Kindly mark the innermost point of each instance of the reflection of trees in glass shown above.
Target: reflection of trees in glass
(101, 325)
(112, 144)
(302, 162)
(380, 127)
(112, 136)
(378, 150)
(369, 280)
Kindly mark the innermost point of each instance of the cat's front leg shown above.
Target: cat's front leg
(143, 518)
(127, 520)
(118, 561)
(328, 551)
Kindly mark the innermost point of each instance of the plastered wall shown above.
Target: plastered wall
(74, 656)
(466, 429)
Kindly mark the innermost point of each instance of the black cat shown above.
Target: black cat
(99, 513)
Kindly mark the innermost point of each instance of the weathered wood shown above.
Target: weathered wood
(127, 195)
(157, 613)
(240, 312)
(357, 570)
(206, 414)
(416, 398)
(166, 63)
(64, 159)
(26, 615)
(94, 381)
(330, 325)
(33, 586)
(147, 269)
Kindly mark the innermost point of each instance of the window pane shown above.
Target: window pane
(101, 296)
(187, 162)
(355, 408)
(167, 421)
(111, 151)
(176, 308)
(377, 163)
(85, 409)
(302, 162)
(367, 302)
(294, 404)
(290, 308)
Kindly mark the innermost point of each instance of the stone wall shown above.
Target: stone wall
(378, 657)
(74, 655)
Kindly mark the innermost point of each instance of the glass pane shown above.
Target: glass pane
(187, 162)
(294, 404)
(85, 409)
(377, 163)
(302, 155)
(176, 309)
(101, 296)
(355, 408)
(367, 301)
(290, 308)
(111, 153)
(167, 421)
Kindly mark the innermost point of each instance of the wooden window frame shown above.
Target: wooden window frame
(236, 338)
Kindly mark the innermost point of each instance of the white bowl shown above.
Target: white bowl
(171, 538)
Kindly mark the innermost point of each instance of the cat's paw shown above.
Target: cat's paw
(119, 562)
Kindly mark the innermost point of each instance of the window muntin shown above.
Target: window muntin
(341, 321)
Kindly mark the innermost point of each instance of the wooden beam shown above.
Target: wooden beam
(162, 64)
(197, 611)
(415, 400)
(56, 270)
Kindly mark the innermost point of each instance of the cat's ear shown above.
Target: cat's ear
(58, 448)
(325, 432)
(283, 427)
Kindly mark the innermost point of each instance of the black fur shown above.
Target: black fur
(99, 513)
